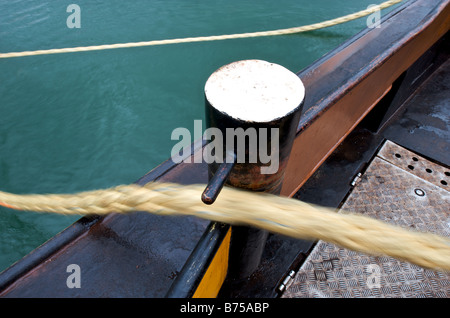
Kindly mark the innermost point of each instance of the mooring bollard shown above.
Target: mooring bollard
(253, 109)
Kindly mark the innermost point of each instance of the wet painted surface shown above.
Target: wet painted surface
(105, 233)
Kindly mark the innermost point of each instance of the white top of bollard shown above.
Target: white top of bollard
(254, 90)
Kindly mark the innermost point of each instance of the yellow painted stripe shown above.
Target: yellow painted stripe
(217, 271)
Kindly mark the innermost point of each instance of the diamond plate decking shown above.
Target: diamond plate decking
(398, 187)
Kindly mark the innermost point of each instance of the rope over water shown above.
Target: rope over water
(273, 213)
(276, 214)
(311, 27)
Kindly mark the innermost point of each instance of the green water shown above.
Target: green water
(82, 121)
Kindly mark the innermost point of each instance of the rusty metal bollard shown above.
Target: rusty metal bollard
(252, 109)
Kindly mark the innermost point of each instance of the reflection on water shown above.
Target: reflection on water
(80, 121)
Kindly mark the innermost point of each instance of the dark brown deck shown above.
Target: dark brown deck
(139, 255)
(420, 123)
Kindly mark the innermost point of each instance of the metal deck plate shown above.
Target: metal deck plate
(396, 188)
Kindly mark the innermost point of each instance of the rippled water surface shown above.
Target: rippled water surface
(81, 121)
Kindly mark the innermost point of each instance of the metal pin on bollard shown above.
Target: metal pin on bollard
(254, 107)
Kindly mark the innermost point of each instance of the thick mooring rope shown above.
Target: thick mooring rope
(276, 214)
(311, 27)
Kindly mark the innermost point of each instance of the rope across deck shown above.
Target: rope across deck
(311, 27)
(276, 214)
(273, 213)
